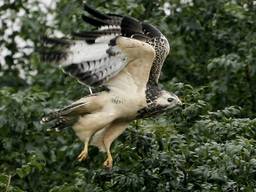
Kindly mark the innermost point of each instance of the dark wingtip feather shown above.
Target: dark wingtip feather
(94, 21)
(53, 56)
(72, 69)
(150, 30)
(54, 41)
(89, 37)
(140, 36)
(130, 26)
(95, 13)
(88, 34)
(112, 42)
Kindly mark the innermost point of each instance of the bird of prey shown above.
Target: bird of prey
(124, 56)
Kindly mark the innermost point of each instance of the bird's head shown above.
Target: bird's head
(167, 100)
(163, 102)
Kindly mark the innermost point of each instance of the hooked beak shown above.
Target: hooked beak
(179, 101)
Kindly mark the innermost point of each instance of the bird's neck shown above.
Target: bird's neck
(152, 91)
(150, 110)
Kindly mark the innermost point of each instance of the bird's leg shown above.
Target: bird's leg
(88, 125)
(110, 134)
(108, 163)
(83, 155)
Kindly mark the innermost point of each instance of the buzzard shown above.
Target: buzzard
(123, 56)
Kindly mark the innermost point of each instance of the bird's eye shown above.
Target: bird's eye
(170, 99)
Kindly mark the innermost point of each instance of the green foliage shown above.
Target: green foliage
(208, 145)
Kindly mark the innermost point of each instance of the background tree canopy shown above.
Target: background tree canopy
(209, 145)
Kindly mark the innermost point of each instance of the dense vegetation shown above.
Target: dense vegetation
(208, 145)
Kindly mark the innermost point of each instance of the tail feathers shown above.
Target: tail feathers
(63, 122)
(64, 117)
(73, 109)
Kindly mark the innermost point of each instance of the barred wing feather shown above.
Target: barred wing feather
(93, 56)
(91, 64)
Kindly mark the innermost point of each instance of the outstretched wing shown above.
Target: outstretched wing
(94, 57)
(91, 64)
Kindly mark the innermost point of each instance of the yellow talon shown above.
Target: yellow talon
(109, 162)
(82, 156)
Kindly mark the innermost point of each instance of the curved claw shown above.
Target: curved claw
(108, 163)
(82, 156)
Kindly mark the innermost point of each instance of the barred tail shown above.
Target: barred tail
(64, 117)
